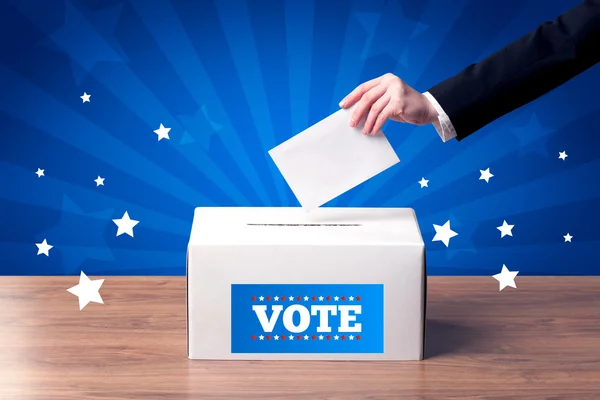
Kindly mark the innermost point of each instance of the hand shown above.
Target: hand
(388, 97)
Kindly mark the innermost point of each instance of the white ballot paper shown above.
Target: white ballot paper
(330, 158)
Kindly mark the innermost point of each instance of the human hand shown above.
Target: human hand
(388, 97)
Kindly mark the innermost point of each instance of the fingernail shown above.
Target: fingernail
(352, 122)
(342, 103)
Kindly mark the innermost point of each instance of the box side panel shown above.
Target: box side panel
(424, 326)
(195, 222)
(424, 305)
(187, 302)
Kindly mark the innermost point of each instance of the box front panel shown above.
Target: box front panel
(227, 317)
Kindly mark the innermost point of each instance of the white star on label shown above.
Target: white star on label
(305, 337)
(506, 278)
(336, 337)
(336, 298)
(291, 337)
(99, 181)
(320, 298)
(87, 290)
(162, 132)
(423, 182)
(261, 337)
(261, 298)
(276, 337)
(562, 155)
(86, 98)
(485, 175)
(43, 248)
(351, 298)
(351, 337)
(276, 298)
(291, 298)
(125, 224)
(305, 298)
(443, 233)
(568, 238)
(320, 337)
(505, 229)
(40, 173)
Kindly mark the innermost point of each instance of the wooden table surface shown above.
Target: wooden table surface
(540, 341)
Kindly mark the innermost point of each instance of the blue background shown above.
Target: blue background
(244, 322)
(232, 79)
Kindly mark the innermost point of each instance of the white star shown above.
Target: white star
(305, 298)
(305, 337)
(351, 337)
(86, 98)
(320, 337)
(506, 278)
(162, 132)
(320, 298)
(291, 298)
(125, 224)
(443, 233)
(291, 337)
(336, 298)
(562, 155)
(40, 173)
(276, 298)
(87, 291)
(261, 298)
(505, 229)
(423, 182)
(99, 181)
(485, 175)
(336, 337)
(261, 337)
(568, 238)
(276, 337)
(43, 248)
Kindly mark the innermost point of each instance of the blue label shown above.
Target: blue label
(318, 318)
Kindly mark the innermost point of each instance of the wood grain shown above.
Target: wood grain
(540, 341)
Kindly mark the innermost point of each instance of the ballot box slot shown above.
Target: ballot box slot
(304, 224)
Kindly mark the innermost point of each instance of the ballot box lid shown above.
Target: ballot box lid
(295, 226)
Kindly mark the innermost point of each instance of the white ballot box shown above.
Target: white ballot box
(282, 284)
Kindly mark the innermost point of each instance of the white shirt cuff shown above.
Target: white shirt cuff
(443, 125)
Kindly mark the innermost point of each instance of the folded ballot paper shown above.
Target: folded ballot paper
(330, 158)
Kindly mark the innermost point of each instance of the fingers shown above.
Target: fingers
(360, 90)
(374, 112)
(383, 116)
(366, 102)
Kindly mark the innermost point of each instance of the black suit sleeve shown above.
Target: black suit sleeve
(522, 71)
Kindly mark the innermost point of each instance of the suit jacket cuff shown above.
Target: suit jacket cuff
(443, 125)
